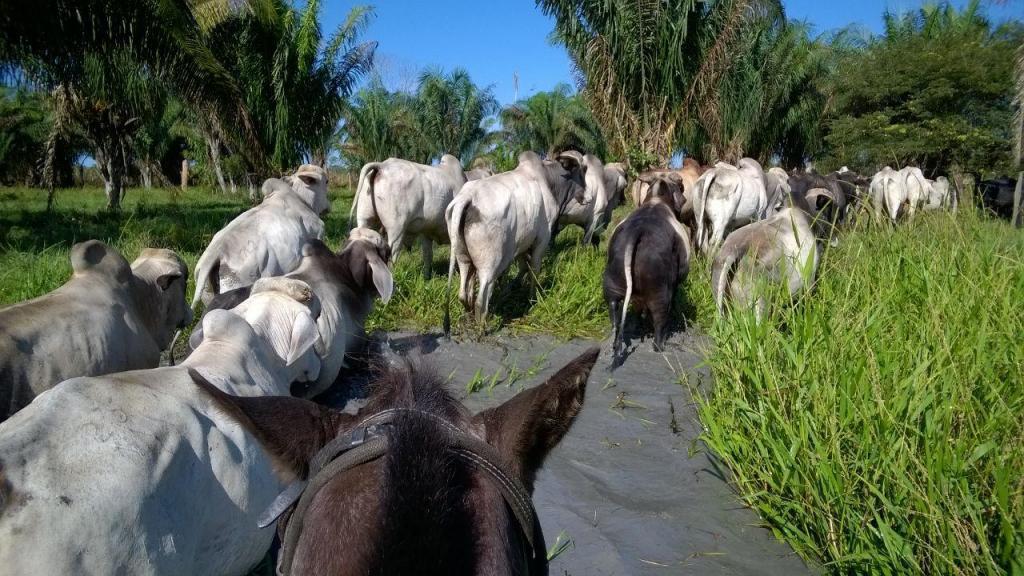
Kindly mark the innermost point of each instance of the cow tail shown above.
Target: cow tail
(365, 185)
(628, 271)
(700, 199)
(459, 206)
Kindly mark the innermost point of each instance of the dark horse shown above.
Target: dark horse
(417, 508)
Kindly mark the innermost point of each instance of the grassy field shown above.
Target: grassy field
(878, 425)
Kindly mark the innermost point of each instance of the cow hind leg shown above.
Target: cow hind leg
(618, 347)
(427, 247)
(397, 243)
(466, 273)
(486, 290)
(660, 317)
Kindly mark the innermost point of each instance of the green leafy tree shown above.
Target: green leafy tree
(295, 80)
(26, 120)
(720, 79)
(549, 122)
(452, 114)
(935, 90)
(379, 124)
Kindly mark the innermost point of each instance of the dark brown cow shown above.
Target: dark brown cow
(648, 256)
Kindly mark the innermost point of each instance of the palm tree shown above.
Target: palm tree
(684, 73)
(452, 114)
(49, 43)
(296, 81)
(549, 122)
(379, 124)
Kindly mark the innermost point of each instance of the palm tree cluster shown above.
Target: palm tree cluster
(254, 79)
(718, 80)
(446, 114)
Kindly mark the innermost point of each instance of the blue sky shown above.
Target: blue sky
(498, 40)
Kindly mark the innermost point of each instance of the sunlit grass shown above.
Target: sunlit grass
(879, 425)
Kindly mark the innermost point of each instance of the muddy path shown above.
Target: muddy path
(630, 489)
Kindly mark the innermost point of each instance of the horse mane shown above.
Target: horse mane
(427, 522)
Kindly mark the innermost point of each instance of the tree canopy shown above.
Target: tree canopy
(935, 90)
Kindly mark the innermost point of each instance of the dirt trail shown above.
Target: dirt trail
(630, 486)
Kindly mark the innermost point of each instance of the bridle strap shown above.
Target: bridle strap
(366, 452)
(367, 442)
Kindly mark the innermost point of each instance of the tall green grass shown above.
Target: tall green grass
(878, 426)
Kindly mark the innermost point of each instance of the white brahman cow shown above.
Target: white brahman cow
(408, 200)
(109, 317)
(590, 216)
(939, 196)
(754, 258)
(726, 198)
(266, 240)
(509, 216)
(917, 186)
(138, 472)
(888, 192)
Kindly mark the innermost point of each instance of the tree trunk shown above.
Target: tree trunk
(146, 171)
(213, 145)
(253, 197)
(184, 175)
(114, 186)
(1016, 219)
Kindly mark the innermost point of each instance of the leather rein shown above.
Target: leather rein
(368, 441)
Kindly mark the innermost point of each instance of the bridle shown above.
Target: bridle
(368, 441)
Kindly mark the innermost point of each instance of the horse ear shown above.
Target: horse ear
(291, 430)
(527, 427)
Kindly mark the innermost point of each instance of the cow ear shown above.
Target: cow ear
(383, 281)
(291, 430)
(165, 280)
(527, 427)
(304, 336)
(95, 256)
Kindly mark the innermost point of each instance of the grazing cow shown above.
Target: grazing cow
(592, 215)
(939, 196)
(140, 472)
(917, 188)
(109, 317)
(506, 217)
(690, 174)
(648, 256)
(346, 285)
(615, 183)
(728, 197)
(997, 195)
(778, 189)
(408, 200)
(433, 490)
(888, 191)
(783, 248)
(266, 240)
(801, 184)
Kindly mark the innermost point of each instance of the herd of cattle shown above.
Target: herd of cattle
(110, 463)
